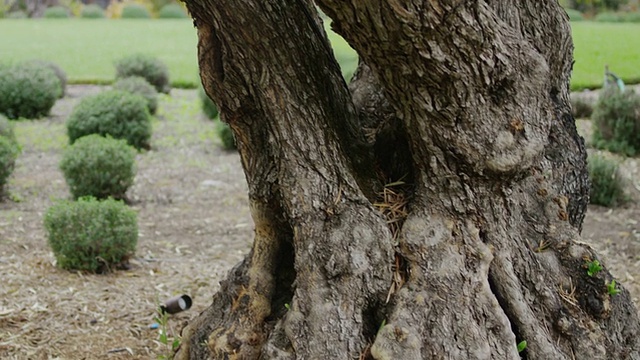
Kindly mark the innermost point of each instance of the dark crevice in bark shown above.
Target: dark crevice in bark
(393, 154)
(373, 315)
(505, 308)
(567, 151)
(285, 275)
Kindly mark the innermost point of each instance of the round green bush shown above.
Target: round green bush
(607, 185)
(140, 86)
(56, 12)
(616, 119)
(608, 17)
(581, 108)
(28, 90)
(91, 235)
(9, 151)
(119, 114)
(18, 14)
(209, 108)
(633, 17)
(574, 15)
(62, 76)
(6, 128)
(148, 67)
(98, 166)
(135, 11)
(172, 11)
(92, 11)
(226, 135)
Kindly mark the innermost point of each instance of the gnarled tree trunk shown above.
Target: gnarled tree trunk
(429, 211)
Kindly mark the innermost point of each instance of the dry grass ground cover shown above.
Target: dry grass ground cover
(194, 226)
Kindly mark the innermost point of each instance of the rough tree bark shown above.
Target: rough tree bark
(429, 211)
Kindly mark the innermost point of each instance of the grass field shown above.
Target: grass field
(87, 49)
(598, 44)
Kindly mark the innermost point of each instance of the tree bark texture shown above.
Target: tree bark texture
(430, 210)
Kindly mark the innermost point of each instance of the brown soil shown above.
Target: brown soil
(194, 226)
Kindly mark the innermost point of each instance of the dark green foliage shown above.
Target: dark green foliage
(574, 15)
(92, 11)
(209, 108)
(56, 12)
(28, 90)
(62, 76)
(595, 5)
(607, 186)
(616, 118)
(116, 113)
(581, 108)
(139, 86)
(135, 11)
(6, 129)
(98, 166)
(91, 235)
(16, 15)
(172, 11)
(633, 17)
(9, 150)
(148, 67)
(226, 135)
(608, 17)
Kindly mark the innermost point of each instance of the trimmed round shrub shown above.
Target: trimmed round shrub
(56, 12)
(172, 11)
(9, 151)
(616, 117)
(92, 11)
(608, 17)
(574, 15)
(148, 67)
(98, 166)
(633, 17)
(6, 129)
(209, 108)
(19, 14)
(28, 90)
(62, 76)
(139, 86)
(135, 11)
(119, 114)
(226, 135)
(581, 108)
(92, 235)
(607, 185)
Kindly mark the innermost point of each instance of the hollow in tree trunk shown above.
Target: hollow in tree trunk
(429, 210)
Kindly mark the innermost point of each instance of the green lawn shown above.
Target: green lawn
(87, 49)
(598, 44)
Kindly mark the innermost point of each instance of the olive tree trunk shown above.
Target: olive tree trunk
(429, 210)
